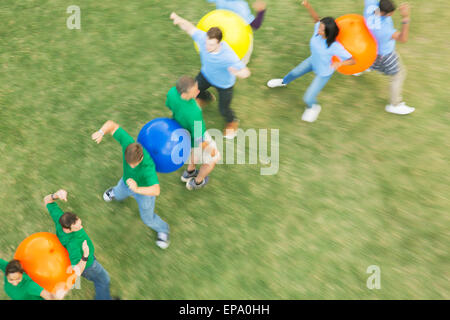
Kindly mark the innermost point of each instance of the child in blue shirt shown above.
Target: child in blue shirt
(378, 16)
(323, 47)
(220, 67)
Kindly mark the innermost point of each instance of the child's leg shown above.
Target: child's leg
(396, 85)
(192, 165)
(298, 71)
(314, 89)
(225, 97)
(203, 85)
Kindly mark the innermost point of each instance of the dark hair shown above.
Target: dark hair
(215, 33)
(134, 153)
(331, 29)
(68, 219)
(387, 6)
(184, 84)
(13, 266)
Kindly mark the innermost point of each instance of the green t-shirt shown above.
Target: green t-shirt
(145, 173)
(72, 241)
(186, 113)
(27, 289)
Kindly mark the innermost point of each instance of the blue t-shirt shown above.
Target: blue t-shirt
(382, 27)
(321, 54)
(237, 6)
(215, 65)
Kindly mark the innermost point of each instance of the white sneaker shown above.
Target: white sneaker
(401, 108)
(108, 195)
(163, 240)
(276, 83)
(311, 114)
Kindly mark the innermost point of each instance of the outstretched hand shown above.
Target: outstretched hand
(61, 194)
(259, 5)
(97, 136)
(404, 10)
(174, 17)
(305, 3)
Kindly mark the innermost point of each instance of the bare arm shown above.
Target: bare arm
(80, 266)
(402, 36)
(153, 190)
(311, 11)
(60, 194)
(242, 74)
(349, 62)
(108, 127)
(184, 25)
(48, 295)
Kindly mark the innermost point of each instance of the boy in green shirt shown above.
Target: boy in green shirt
(185, 110)
(139, 180)
(19, 286)
(73, 237)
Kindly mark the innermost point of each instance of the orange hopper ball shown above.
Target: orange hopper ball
(356, 39)
(46, 261)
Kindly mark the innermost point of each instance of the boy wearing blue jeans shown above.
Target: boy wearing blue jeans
(73, 237)
(139, 180)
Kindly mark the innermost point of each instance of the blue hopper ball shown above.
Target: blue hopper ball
(168, 143)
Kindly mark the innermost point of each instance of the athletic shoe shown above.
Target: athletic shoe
(188, 176)
(109, 195)
(276, 83)
(401, 108)
(192, 185)
(311, 114)
(230, 130)
(163, 240)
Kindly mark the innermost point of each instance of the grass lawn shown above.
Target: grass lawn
(359, 187)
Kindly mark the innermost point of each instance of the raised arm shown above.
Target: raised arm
(60, 194)
(311, 11)
(184, 25)
(402, 36)
(108, 127)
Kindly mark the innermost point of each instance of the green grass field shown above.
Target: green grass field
(359, 187)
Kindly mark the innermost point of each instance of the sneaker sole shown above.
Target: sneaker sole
(162, 244)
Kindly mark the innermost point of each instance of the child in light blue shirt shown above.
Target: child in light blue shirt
(378, 16)
(323, 47)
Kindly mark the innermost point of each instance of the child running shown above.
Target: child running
(323, 47)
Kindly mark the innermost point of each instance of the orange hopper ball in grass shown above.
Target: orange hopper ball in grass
(356, 39)
(46, 261)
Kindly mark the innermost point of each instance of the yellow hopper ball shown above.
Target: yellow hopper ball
(236, 32)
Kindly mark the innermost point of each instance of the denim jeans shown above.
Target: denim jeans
(146, 207)
(97, 274)
(316, 86)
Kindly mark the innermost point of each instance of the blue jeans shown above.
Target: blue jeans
(146, 207)
(97, 274)
(316, 86)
